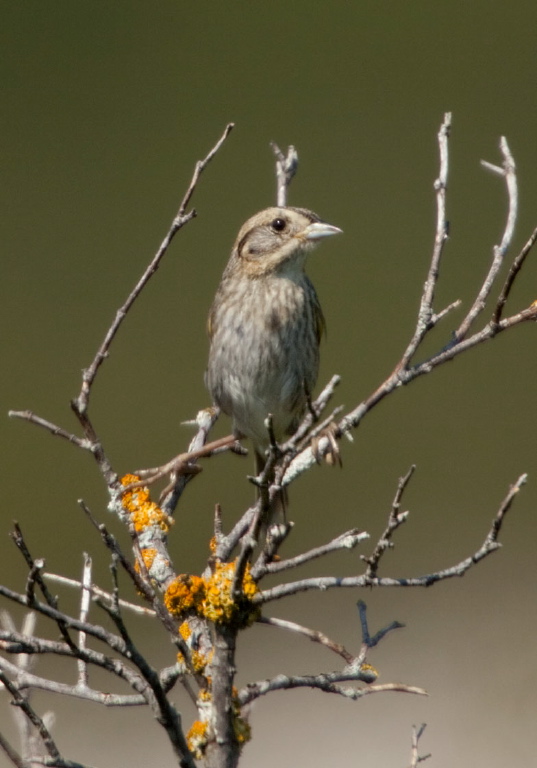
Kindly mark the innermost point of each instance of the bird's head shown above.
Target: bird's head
(278, 239)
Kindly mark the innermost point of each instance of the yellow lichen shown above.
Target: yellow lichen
(219, 606)
(370, 671)
(200, 660)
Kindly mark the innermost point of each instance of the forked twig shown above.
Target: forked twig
(508, 171)
(286, 168)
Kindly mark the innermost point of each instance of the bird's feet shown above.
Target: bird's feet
(331, 454)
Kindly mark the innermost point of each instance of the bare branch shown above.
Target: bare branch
(286, 168)
(426, 307)
(311, 634)
(95, 591)
(182, 218)
(509, 173)
(12, 754)
(296, 463)
(513, 272)
(24, 705)
(415, 759)
(84, 610)
(27, 680)
(492, 536)
(327, 683)
(50, 427)
(489, 545)
(395, 520)
(204, 421)
(184, 463)
(207, 646)
(347, 540)
(367, 640)
(35, 572)
(312, 415)
(61, 618)
(23, 645)
(436, 317)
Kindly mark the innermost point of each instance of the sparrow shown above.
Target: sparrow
(265, 325)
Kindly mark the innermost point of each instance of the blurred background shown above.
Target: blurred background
(105, 109)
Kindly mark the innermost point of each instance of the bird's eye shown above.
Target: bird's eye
(278, 225)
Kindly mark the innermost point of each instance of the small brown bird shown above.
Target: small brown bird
(265, 325)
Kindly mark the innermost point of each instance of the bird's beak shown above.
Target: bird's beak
(318, 230)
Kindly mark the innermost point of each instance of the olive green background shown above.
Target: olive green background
(105, 108)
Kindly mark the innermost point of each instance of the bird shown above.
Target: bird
(265, 325)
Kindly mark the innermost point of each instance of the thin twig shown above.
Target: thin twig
(311, 634)
(21, 702)
(395, 520)
(367, 640)
(184, 463)
(85, 598)
(286, 168)
(54, 429)
(415, 759)
(36, 572)
(28, 680)
(426, 306)
(12, 754)
(296, 463)
(182, 218)
(489, 545)
(347, 540)
(98, 592)
(204, 421)
(312, 415)
(516, 266)
(327, 683)
(16, 643)
(509, 173)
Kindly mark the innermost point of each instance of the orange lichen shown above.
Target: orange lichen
(197, 739)
(148, 556)
(185, 593)
(212, 597)
(143, 511)
(184, 630)
(200, 734)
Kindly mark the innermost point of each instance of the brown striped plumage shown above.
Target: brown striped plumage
(265, 325)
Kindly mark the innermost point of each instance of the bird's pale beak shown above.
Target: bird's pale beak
(318, 230)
